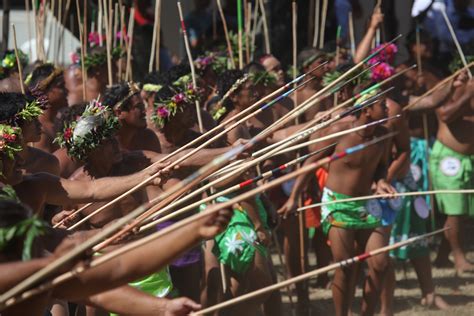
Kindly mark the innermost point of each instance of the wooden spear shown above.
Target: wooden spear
(18, 61)
(191, 65)
(314, 273)
(226, 33)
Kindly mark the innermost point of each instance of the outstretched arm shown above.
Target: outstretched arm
(61, 191)
(131, 265)
(130, 301)
(363, 48)
(459, 105)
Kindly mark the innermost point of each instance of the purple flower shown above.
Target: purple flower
(162, 112)
(178, 98)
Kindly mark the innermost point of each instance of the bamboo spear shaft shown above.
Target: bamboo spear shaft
(81, 35)
(239, 33)
(204, 136)
(317, 8)
(158, 38)
(265, 27)
(226, 33)
(116, 24)
(191, 64)
(6, 298)
(18, 61)
(108, 39)
(179, 160)
(248, 20)
(131, 25)
(351, 34)
(323, 24)
(254, 30)
(274, 172)
(154, 39)
(456, 41)
(314, 273)
(437, 86)
(28, 25)
(387, 196)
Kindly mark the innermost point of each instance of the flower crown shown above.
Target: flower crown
(185, 94)
(218, 63)
(80, 137)
(219, 110)
(329, 77)
(98, 58)
(9, 140)
(9, 62)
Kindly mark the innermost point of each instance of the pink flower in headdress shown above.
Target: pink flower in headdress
(94, 38)
(162, 112)
(75, 59)
(386, 55)
(68, 133)
(381, 72)
(178, 98)
(119, 35)
(9, 137)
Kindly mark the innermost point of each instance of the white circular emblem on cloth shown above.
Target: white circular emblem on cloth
(396, 203)
(421, 208)
(374, 208)
(450, 166)
(415, 172)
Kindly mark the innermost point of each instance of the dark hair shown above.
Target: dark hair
(117, 93)
(308, 54)
(224, 84)
(40, 73)
(12, 212)
(67, 115)
(154, 78)
(10, 104)
(253, 67)
(176, 72)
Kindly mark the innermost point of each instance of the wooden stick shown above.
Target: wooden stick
(18, 61)
(265, 27)
(455, 40)
(239, 33)
(254, 29)
(317, 8)
(108, 40)
(153, 41)
(131, 24)
(83, 68)
(226, 33)
(122, 37)
(314, 273)
(116, 24)
(387, 196)
(437, 86)
(28, 25)
(100, 17)
(63, 28)
(323, 24)
(191, 65)
(248, 23)
(351, 34)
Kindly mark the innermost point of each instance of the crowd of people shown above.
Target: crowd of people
(82, 158)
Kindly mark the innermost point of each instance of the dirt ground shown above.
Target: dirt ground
(458, 291)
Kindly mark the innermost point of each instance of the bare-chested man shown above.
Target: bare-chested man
(348, 224)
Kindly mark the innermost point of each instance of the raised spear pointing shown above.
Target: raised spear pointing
(314, 273)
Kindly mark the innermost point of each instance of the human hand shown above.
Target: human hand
(461, 79)
(263, 236)
(288, 208)
(181, 307)
(160, 172)
(383, 187)
(64, 215)
(377, 18)
(66, 246)
(215, 222)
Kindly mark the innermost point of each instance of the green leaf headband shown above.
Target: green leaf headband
(31, 111)
(28, 229)
(149, 87)
(9, 62)
(99, 59)
(80, 137)
(262, 77)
